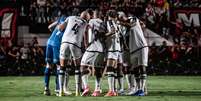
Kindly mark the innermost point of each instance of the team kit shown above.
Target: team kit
(114, 46)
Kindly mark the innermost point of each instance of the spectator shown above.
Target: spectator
(150, 15)
(35, 41)
(2, 59)
(24, 58)
(13, 60)
(37, 59)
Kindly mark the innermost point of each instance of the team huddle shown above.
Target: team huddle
(114, 46)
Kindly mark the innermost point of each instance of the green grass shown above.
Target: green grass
(160, 88)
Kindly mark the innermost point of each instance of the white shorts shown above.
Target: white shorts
(69, 51)
(113, 55)
(140, 57)
(94, 59)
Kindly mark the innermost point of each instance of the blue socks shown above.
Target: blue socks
(57, 79)
(47, 77)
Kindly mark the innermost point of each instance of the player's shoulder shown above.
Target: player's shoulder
(62, 18)
(133, 19)
(94, 20)
(72, 17)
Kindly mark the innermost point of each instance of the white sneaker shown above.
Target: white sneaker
(121, 92)
(68, 93)
(60, 94)
(132, 91)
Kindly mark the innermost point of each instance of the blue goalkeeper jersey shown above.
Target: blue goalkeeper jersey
(56, 36)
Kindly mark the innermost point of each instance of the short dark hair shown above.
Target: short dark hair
(112, 13)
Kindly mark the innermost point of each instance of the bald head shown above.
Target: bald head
(85, 15)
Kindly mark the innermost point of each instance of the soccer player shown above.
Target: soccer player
(52, 53)
(138, 55)
(122, 61)
(75, 27)
(113, 49)
(94, 54)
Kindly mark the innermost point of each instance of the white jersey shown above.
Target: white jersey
(25, 52)
(94, 28)
(75, 29)
(136, 37)
(113, 42)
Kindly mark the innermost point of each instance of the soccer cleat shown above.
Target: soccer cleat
(145, 91)
(61, 94)
(67, 93)
(111, 93)
(56, 91)
(85, 92)
(140, 93)
(96, 93)
(47, 92)
(132, 92)
(121, 92)
(77, 93)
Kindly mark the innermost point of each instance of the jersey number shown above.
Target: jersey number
(75, 28)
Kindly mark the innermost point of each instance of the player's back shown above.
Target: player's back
(94, 37)
(113, 41)
(137, 39)
(55, 38)
(75, 28)
(95, 25)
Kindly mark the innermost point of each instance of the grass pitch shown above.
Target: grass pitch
(160, 88)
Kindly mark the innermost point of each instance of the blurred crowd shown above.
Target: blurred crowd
(155, 13)
(174, 60)
(29, 59)
(23, 59)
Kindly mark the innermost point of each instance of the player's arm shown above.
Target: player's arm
(2, 49)
(111, 33)
(52, 25)
(11, 54)
(126, 24)
(62, 26)
(108, 34)
(142, 24)
(88, 30)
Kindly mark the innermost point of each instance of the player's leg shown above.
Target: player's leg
(47, 72)
(76, 54)
(84, 76)
(66, 78)
(127, 70)
(77, 77)
(143, 76)
(111, 63)
(56, 53)
(98, 76)
(137, 83)
(135, 76)
(57, 79)
(110, 74)
(47, 79)
(87, 60)
(64, 55)
(61, 77)
(143, 60)
(98, 64)
(120, 77)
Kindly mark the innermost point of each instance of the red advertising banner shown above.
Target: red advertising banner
(191, 17)
(8, 26)
(187, 25)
